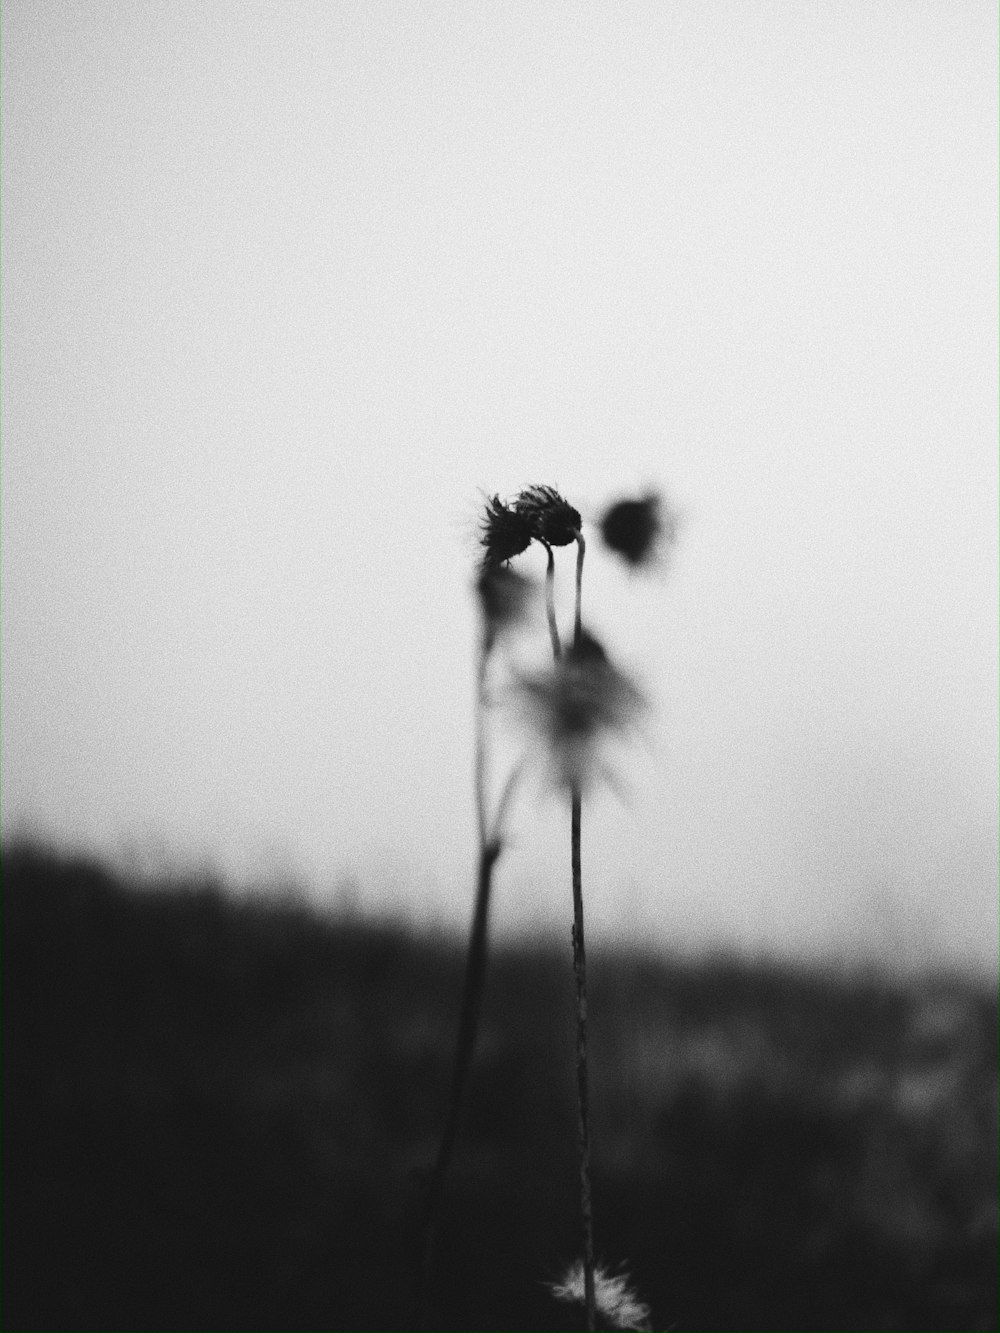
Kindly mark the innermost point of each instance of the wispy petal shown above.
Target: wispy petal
(617, 1304)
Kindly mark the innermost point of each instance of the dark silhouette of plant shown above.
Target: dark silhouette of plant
(571, 708)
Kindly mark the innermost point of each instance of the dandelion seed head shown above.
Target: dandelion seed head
(618, 1305)
(550, 518)
(575, 705)
(504, 533)
(639, 529)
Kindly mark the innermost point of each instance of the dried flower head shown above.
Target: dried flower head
(505, 599)
(504, 533)
(618, 1306)
(577, 704)
(550, 518)
(637, 529)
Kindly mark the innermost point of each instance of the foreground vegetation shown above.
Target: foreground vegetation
(219, 1115)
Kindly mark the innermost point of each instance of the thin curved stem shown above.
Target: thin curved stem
(506, 796)
(480, 760)
(490, 847)
(468, 1022)
(581, 551)
(550, 601)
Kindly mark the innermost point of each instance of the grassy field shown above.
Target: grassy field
(219, 1115)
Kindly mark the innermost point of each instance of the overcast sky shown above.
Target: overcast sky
(286, 285)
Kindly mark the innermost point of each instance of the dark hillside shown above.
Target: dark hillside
(218, 1114)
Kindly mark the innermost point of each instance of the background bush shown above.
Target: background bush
(218, 1113)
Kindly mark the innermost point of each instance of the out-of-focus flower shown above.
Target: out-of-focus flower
(618, 1306)
(639, 529)
(550, 518)
(578, 703)
(505, 599)
(504, 533)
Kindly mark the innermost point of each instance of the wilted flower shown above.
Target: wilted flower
(577, 703)
(638, 528)
(504, 533)
(618, 1306)
(550, 518)
(505, 598)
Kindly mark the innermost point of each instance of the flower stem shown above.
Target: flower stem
(580, 975)
(490, 846)
(581, 551)
(583, 1098)
(472, 995)
(550, 601)
(506, 796)
(480, 760)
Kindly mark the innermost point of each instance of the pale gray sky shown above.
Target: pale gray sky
(285, 284)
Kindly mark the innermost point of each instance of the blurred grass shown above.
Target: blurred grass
(218, 1112)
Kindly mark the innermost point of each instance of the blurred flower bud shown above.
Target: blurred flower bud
(505, 599)
(638, 530)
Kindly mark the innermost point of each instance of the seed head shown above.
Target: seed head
(504, 533)
(637, 529)
(549, 517)
(618, 1306)
(576, 704)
